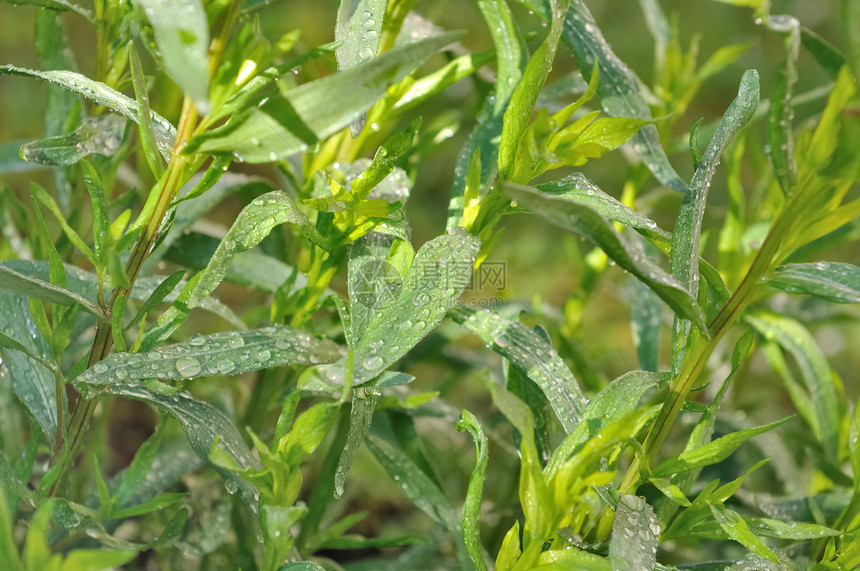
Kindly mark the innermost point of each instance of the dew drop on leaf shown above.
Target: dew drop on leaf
(187, 366)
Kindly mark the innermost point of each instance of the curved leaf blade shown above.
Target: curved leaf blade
(590, 224)
(832, 281)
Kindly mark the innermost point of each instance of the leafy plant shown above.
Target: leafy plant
(347, 354)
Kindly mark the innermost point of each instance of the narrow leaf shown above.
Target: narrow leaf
(823, 401)
(781, 111)
(227, 353)
(254, 223)
(148, 139)
(534, 356)
(12, 281)
(589, 224)
(102, 95)
(101, 134)
(471, 519)
(712, 452)
(621, 92)
(361, 414)
(285, 125)
(832, 281)
(182, 35)
(735, 526)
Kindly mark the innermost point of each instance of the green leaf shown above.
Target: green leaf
(781, 111)
(417, 486)
(591, 225)
(37, 553)
(101, 134)
(578, 188)
(850, 16)
(140, 466)
(712, 452)
(302, 566)
(635, 535)
(533, 355)
(440, 272)
(619, 398)
(832, 281)
(471, 518)
(688, 224)
(95, 559)
(205, 426)
(735, 526)
(102, 95)
(61, 5)
(8, 550)
(620, 90)
(284, 125)
(646, 323)
(101, 220)
(822, 400)
(226, 353)
(42, 196)
(254, 223)
(525, 96)
(360, 415)
(12, 281)
(182, 35)
(148, 141)
(827, 56)
(359, 25)
(511, 55)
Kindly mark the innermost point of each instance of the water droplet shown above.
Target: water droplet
(420, 299)
(226, 366)
(235, 342)
(263, 355)
(197, 340)
(407, 324)
(372, 362)
(187, 366)
(121, 374)
(100, 368)
(502, 340)
(365, 53)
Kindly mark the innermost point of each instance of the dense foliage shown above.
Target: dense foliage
(305, 414)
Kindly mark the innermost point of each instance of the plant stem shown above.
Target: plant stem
(103, 341)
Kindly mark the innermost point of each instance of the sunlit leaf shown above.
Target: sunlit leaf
(836, 282)
(635, 534)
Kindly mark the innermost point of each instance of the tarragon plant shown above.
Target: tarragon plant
(256, 419)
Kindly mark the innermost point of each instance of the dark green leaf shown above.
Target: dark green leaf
(12, 281)
(102, 95)
(850, 12)
(534, 356)
(779, 116)
(823, 402)
(839, 283)
(590, 224)
(148, 141)
(417, 486)
(361, 413)
(620, 90)
(827, 56)
(62, 5)
(511, 55)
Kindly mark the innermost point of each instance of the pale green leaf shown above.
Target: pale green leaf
(635, 535)
(471, 518)
(101, 134)
(735, 526)
(12, 281)
(361, 414)
(182, 36)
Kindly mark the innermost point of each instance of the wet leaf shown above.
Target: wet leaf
(102, 95)
(833, 281)
(735, 526)
(590, 224)
(12, 281)
(182, 35)
(226, 353)
(471, 518)
(101, 134)
(635, 535)
(534, 356)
